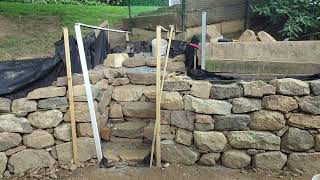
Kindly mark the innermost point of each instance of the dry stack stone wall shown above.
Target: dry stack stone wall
(270, 126)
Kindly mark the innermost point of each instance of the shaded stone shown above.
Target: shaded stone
(9, 140)
(279, 103)
(231, 122)
(166, 133)
(120, 81)
(38, 139)
(174, 67)
(29, 159)
(63, 132)
(81, 111)
(165, 117)
(105, 99)
(115, 111)
(77, 79)
(172, 101)
(291, 87)
(227, 91)
(45, 119)
(139, 109)
(21, 107)
(254, 140)
(5, 105)
(53, 103)
(248, 36)
(183, 119)
(317, 142)
(176, 86)
(184, 137)
(207, 106)
(134, 62)
(79, 92)
(273, 160)
(308, 163)
(11, 123)
(127, 93)
(315, 87)
(3, 163)
(47, 92)
(128, 129)
(257, 89)
(105, 133)
(209, 159)
(210, 141)
(304, 121)
(201, 89)
(245, 105)
(297, 140)
(204, 122)
(12, 151)
(178, 154)
(84, 130)
(142, 78)
(310, 104)
(86, 150)
(235, 159)
(115, 60)
(267, 120)
(265, 37)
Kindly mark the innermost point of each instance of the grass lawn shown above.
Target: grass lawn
(28, 30)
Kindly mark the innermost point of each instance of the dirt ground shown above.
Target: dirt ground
(177, 173)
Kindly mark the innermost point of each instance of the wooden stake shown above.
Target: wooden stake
(70, 96)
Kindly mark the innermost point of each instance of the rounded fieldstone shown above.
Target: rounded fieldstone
(38, 139)
(235, 159)
(297, 140)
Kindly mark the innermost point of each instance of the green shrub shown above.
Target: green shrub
(296, 17)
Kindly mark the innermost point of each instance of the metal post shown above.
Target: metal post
(88, 92)
(203, 41)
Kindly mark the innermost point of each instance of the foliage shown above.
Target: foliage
(296, 17)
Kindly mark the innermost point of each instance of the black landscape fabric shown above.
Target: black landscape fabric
(18, 78)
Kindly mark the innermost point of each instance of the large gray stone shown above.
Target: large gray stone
(232, 122)
(245, 105)
(315, 87)
(257, 89)
(297, 140)
(79, 92)
(308, 163)
(134, 62)
(139, 109)
(3, 163)
(176, 85)
(207, 106)
(21, 107)
(38, 139)
(11, 123)
(183, 119)
(45, 119)
(81, 111)
(142, 78)
(53, 103)
(172, 101)
(248, 36)
(235, 159)
(291, 87)
(29, 159)
(210, 141)
(279, 103)
(9, 140)
(115, 111)
(201, 89)
(127, 93)
(63, 132)
(267, 120)
(226, 91)
(304, 121)
(128, 129)
(178, 154)
(209, 159)
(5, 105)
(254, 140)
(184, 137)
(86, 150)
(273, 160)
(47, 92)
(310, 104)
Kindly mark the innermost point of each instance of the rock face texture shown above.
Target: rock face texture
(270, 126)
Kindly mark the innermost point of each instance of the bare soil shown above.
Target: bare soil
(177, 173)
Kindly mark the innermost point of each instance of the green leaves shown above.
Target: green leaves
(296, 17)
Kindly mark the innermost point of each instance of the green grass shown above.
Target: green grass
(38, 26)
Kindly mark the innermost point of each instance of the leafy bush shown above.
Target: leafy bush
(296, 17)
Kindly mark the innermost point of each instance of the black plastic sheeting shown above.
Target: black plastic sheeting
(18, 78)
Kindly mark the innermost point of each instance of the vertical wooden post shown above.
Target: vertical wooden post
(70, 96)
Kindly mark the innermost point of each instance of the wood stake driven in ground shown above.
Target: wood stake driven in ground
(70, 96)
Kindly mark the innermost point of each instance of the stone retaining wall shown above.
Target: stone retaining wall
(246, 124)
